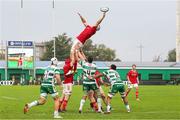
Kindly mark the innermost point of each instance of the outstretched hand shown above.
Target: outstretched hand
(104, 13)
(78, 13)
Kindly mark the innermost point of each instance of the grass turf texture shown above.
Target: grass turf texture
(157, 102)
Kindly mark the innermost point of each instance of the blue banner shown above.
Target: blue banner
(20, 43)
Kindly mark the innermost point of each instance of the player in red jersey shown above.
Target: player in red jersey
(99, 81)
(67, 84)
(85, 35)
(133, 81)
(20, 62)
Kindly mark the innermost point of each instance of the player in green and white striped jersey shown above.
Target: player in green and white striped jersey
(51, 74)
(116, 84)
(89, 86)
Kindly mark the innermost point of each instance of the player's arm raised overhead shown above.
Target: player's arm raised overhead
(83, 19)
(81, 55)
(100, 19)
(77, 56)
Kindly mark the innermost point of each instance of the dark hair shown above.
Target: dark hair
(113, 67)
(134, 65)
(90, 59)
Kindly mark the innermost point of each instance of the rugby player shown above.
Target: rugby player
(133, 81)
(116, 84)
(89, 86)
(51, 74)
(89, 31)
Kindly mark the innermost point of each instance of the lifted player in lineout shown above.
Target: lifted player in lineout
(84, 35)
(117, 85)
(51, 74)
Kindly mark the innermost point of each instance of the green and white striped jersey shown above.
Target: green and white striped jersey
(113, 76)
(89, 69)
(49, 75)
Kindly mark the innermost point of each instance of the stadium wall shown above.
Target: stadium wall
(153, 75)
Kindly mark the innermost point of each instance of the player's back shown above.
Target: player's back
(113, 76)
(49, 75)
(89, 69)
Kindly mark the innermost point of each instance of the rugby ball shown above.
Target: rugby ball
(104, 9)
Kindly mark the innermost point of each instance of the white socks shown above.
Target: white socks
(56, 113)
(99, 104)
(34, 103)
(128, 108)
(81, 104)
(108, 108)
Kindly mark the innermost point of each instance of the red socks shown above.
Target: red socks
(64, 104)
(60, 103)
(95, 106)
(137, 94)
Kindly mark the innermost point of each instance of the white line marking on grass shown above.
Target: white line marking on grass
(157, 112)
(9, 98)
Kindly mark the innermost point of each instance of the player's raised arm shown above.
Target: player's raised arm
(83, 20)
(77, 56)
(81, 55)
(100, 19)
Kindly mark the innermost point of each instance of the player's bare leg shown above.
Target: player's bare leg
(27, 106)
(56, 107)
(127, 92)
(65, 101)
(83, 100)
(61, 101)
(92, 100)
(103, 96)
(74, 48)
(108, 105)
(98, 99)
(126, 103)
(72, 57)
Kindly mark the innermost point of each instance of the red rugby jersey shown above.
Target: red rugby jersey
(133, 75)
(86, 33)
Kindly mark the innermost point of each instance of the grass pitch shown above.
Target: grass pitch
(157, 102)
